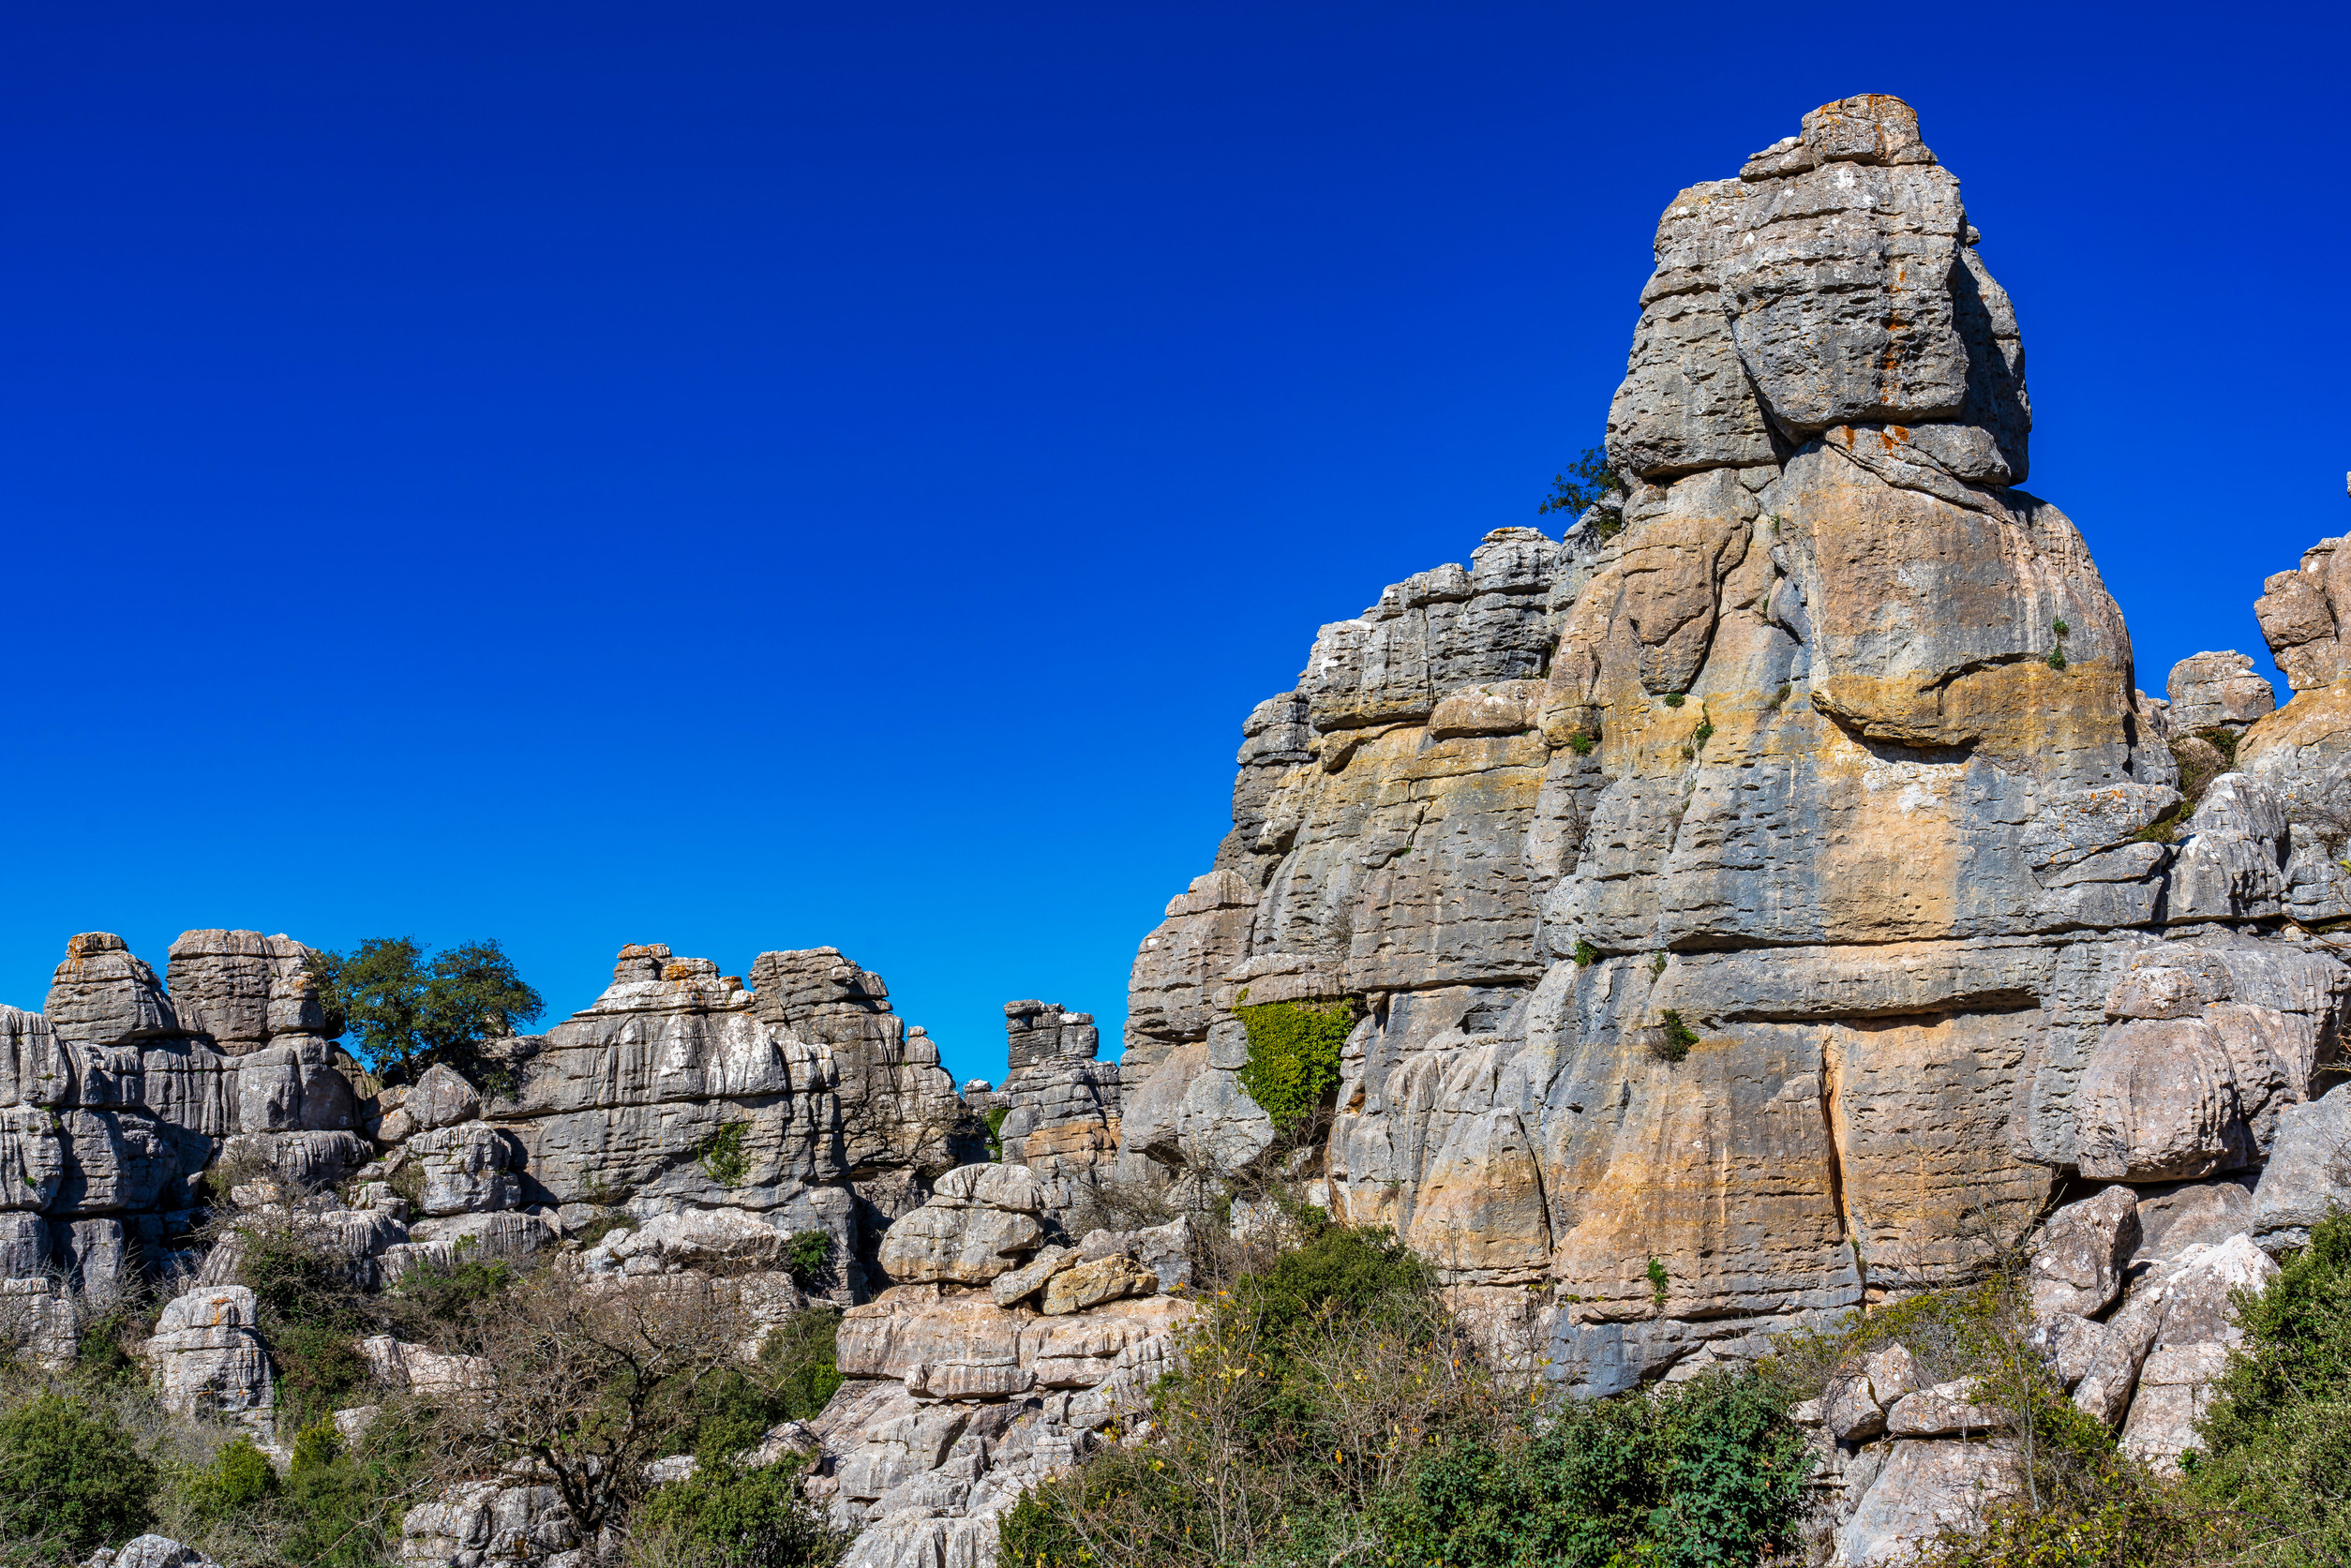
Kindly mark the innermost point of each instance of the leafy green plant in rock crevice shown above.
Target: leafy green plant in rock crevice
(1293, 1065)
(722, 1157)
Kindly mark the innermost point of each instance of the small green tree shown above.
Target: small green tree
(1589, 482)
(405, 1011)
(68, 1476)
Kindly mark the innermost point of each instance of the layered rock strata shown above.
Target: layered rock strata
(1777, 887)
(1061, 1104)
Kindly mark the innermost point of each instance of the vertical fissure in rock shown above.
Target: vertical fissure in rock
(1833, 1122)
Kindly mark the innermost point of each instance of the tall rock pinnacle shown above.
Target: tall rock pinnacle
(1753, 900)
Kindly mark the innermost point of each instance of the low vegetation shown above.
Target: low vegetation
(1292, 1066)
(584, 1386)
(1329, 1408)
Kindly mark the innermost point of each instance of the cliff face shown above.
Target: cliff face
(1777, 885)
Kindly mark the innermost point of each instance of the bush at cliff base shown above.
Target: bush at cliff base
(2265, 1485)
(2276, 1442)
(1328, 1409)
(70, 1477)
(730, 1515)
(1707, 1473)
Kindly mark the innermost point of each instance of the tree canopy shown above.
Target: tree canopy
(403, 1010)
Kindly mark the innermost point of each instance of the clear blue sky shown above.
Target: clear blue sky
(755, 476)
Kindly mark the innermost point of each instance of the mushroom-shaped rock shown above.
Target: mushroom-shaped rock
(104, 995)
(963, 1246)
(2210, 691)
(1013, 1189)
(2158, 1104)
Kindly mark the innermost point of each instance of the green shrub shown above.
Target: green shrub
(239, 1476)
(1674, 700)
(1580, 744)
(1589, 482)
(791, 1379)
(447, 1296)
(341, 1501)
(1585, 954)
(724, 1513)
(1293, 1063)
(1706, 1474)
(995, 1118)
(69, 1475)
(1678, 1038)
(1342, 1273)
(723, 1156)
(808, 1258)
(2277, 1437)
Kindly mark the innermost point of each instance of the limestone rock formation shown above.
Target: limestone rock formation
(1062, 1108)
(1753, 898)
(2217, 690)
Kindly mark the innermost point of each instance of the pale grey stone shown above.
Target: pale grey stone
(156, 1551)
(2211, 691)
(467, 1169)
(207, 1354)
(2159, 1103)
(222, 983)
(440, 1097)
(1923, 1488)
(2083, 1249)
(104, 995)
(2309, 1172)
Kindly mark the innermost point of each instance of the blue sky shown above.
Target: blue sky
(759, 476)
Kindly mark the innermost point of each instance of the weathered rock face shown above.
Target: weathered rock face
(1062, 1108)
(1776, 886)
(807, 1103)
(2217, 690)
(115, 1098)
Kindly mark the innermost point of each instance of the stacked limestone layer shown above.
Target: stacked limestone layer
(1061, 1104)
(805, 1104)
(1777, 883)
(116, 1097)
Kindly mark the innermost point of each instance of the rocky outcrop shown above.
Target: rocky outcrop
(1061, 1104)
(1772, 885)
(805, 1103)
(960, 1402)
(2217, 690)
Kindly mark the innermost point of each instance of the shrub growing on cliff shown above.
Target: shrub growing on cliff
(1293, 1063)
(71, 1477)
(1588, 482)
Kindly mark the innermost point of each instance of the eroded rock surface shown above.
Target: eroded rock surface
(1763, 896)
